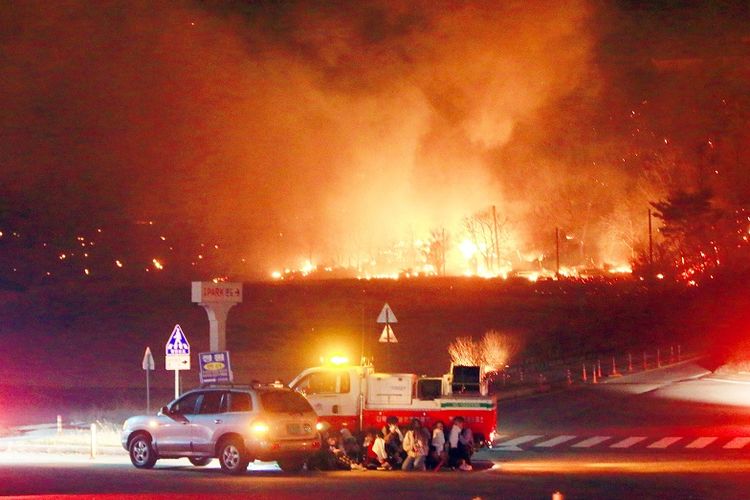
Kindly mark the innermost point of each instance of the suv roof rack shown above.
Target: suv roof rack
(220, 385)
(276, 384)
(255, 384)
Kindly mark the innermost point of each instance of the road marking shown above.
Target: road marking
(660, 443)
(701, 442)
(554, 441)
(664, 442)
(498, 438)
(588, 443)
(737, 443)
(512, 445)
(628, 442)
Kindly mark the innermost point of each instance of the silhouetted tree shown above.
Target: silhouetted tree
(691, 231)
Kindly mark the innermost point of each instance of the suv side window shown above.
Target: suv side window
(240, 401)
(213, 402)
(186, 405)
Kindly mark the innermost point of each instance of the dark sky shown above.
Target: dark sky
(282, 131)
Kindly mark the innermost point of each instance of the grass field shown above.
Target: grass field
(79, 347)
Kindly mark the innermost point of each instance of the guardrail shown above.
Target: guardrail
(527, 378)
(63, 438)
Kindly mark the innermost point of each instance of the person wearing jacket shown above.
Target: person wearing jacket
(376, 456)
(466, 443)
(455, 451)
(438, 454)
(416, 445)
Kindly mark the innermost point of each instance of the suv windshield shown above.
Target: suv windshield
(284, 402)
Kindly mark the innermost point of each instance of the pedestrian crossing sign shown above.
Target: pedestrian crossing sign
(177, 345)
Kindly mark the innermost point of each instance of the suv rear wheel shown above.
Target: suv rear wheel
(232, 456)
(142, 454)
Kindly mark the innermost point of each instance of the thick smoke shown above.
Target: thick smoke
(289, 130)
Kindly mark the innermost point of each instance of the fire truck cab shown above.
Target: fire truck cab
(357, 397)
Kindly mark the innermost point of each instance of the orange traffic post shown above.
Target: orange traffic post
(630, 362)
(584, 372)
(614, 368)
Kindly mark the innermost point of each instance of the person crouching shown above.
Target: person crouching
(416, 445)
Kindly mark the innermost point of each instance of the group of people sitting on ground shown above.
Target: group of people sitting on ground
(390, 448)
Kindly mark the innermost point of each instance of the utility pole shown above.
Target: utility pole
(443, 250)
(557, 252)
(497, 245)
(362, 356)
(650, 244)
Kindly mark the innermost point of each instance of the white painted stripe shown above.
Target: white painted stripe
(588, 443)
(628, 442)
(512, 445)
(737, 443)
(664, 442)
(701, 442)
(554, 441)
(499, 437)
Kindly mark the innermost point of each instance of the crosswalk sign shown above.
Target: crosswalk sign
(177, 344)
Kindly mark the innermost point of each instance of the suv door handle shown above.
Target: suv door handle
(218, 420)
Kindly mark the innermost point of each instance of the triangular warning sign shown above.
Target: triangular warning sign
(386, 315)
(388, 336)
(148, 360)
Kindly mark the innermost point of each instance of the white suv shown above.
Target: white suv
(234, 424)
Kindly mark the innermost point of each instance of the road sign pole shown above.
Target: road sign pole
(388, 341)
(148, 364)
(176, 384)
(387, 317)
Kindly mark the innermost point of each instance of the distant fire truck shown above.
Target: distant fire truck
(358, 398)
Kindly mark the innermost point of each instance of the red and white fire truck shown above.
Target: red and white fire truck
(359, 398)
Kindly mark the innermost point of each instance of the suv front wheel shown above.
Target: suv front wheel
(232, 456)
(142, 454)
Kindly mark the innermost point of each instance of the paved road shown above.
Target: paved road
(589, 476)
(684, 398)
(673, 433)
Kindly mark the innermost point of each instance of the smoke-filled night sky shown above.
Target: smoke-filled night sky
(279, 132)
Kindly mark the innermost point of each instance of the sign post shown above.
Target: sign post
(386, 316)
(148, 366)
(177, 356)
(217, 299)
